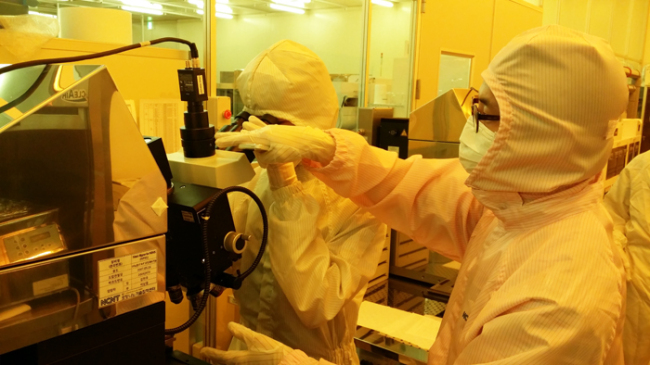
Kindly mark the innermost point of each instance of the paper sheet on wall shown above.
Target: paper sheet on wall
(452, 265)
(163, 118)
(410, 328)
(130, 104)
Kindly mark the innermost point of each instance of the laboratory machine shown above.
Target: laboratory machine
(94, 227)
(435, 127)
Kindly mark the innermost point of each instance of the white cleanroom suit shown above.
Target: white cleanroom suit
(322, 248)
(628, 202)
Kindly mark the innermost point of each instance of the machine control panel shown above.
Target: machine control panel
(31, 243)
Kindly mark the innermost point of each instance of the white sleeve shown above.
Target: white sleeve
(317, 281)
(426, 199)
(239, 203)
(617, 203)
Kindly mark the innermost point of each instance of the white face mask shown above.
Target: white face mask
(473, 146)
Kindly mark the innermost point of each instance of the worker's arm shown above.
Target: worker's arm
(317, 276)
(425, 199)
(261, 349)
(628, 202)
(638, 228)
(240, 203)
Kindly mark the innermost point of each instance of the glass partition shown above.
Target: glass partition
(390, 55)
(455, 72)
(150, 19)
(332, 29)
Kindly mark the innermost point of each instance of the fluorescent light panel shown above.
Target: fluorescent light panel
(142, 10)
(295, 4)
(286, 8)
(223, 16)
(142, 4)
(385, 3)
(41, 14)
(220, 8)
(198, 3)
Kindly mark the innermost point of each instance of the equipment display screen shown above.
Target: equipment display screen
(40, 237)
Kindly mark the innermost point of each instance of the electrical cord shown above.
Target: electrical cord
(265, 231)
(76, 308)
(194, 53)
(206, 248)
(27, 93)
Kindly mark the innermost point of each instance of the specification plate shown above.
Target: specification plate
(126, 277)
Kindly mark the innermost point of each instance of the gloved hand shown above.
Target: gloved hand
(262, 350)
(297, 357)
(282, 143)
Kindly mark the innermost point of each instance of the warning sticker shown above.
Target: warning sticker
(126, 277)
(200, 83)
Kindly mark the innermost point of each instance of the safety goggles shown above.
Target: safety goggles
(478, 116)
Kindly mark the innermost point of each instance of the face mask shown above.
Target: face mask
(473, 146)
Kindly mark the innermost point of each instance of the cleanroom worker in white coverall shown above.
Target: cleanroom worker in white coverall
(540, 280)
(322, 249)
(628, 202)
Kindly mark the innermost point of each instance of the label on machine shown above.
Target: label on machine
(126, 277)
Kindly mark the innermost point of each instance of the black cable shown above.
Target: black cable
(260, 253)
(265, 231)
(193, 52)
(27, 93)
